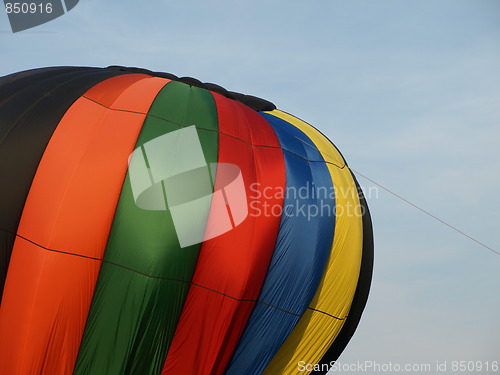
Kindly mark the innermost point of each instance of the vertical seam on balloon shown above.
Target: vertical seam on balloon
(212, 177)
(319, 131)
(50, 235)
(67, 76)
(320, 134)
(366, 261)
(117, 201)
(47, 94)
(335, 205)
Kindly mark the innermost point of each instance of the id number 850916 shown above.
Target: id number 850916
(28, 8)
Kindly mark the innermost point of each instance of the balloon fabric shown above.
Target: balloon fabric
(151, 224)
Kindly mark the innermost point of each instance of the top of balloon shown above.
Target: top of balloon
(257, 104)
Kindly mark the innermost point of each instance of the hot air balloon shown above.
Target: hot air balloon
(151, 224)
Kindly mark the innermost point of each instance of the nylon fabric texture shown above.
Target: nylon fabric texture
(323, 320)
(151, 224)
(294, 273)
(63, 231)
(232, 266)
(31, 105)
(146, 275)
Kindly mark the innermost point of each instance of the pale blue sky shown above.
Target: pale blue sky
(408, 90)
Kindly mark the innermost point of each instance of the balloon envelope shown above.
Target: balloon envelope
(159, 225)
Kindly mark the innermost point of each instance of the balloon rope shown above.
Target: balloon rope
(426, 212)
(411, 203)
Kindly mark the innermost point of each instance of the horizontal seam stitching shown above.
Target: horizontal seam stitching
(219, 132)
(167, 278)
